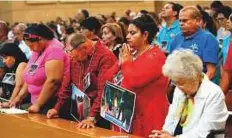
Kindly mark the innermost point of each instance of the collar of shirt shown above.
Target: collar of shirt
(174, 25)
(194, 35)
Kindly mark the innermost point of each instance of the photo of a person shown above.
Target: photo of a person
(118, 105)
(80, 104)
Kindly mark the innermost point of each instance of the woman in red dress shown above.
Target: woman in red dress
(141, 66)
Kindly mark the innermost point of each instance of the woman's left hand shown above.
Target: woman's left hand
(160, 134)
(34, 108)
(125, 54)
(87, 123)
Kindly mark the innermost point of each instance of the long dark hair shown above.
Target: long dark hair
(11, 49)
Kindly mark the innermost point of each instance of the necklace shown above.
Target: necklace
(136, 56)
(39, 54)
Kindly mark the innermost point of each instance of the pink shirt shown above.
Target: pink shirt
(34, 74)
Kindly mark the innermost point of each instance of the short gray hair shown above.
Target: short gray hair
(76, 39)
(183, 64)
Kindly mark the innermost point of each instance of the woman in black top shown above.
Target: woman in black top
(12, 57)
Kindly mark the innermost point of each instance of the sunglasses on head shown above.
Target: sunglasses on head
(31, 37)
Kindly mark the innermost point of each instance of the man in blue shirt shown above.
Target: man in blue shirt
(203, 43)
(170, 13)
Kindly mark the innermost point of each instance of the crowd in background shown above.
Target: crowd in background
(183, 53)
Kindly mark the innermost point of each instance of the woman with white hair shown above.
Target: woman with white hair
(198, 106)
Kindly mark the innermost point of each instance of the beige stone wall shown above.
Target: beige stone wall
(20, 11)
(160, 4)
(5, 11)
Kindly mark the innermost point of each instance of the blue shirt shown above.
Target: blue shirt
(202, 43)
(166, 35)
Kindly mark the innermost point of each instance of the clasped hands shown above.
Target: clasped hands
(125, 54)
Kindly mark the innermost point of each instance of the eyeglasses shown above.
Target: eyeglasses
(184, 84)
(180, 84)
(74, 47)
(31, 37)
(69, 50)
(220, 19)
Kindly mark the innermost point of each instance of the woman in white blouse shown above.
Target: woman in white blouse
(198, 106)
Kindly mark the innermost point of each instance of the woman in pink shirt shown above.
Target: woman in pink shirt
(46, 70)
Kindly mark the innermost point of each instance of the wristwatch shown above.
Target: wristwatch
(92, 119)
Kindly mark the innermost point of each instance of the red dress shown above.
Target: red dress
(144, 77)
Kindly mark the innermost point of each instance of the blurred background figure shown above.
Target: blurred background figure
(12, 57)
(214, 6)
(223, 35)
(112, 36)
(90, 27)
(81, 15)
(169, 14)
(18, 33)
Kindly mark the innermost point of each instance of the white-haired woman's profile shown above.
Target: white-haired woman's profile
(198, 104)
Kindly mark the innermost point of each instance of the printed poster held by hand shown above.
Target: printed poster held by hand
(117, 105)
(80, 104)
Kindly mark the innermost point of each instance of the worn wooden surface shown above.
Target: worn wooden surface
(37, 126)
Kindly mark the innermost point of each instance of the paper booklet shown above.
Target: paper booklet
(117, 105)
(80, 104)
(11, 110)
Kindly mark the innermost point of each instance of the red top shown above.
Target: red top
(228, 64)
(144, 77)
(97, 65)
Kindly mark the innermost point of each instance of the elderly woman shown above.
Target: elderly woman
(198, 106)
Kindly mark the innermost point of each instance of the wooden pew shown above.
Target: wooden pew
(38, 126)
